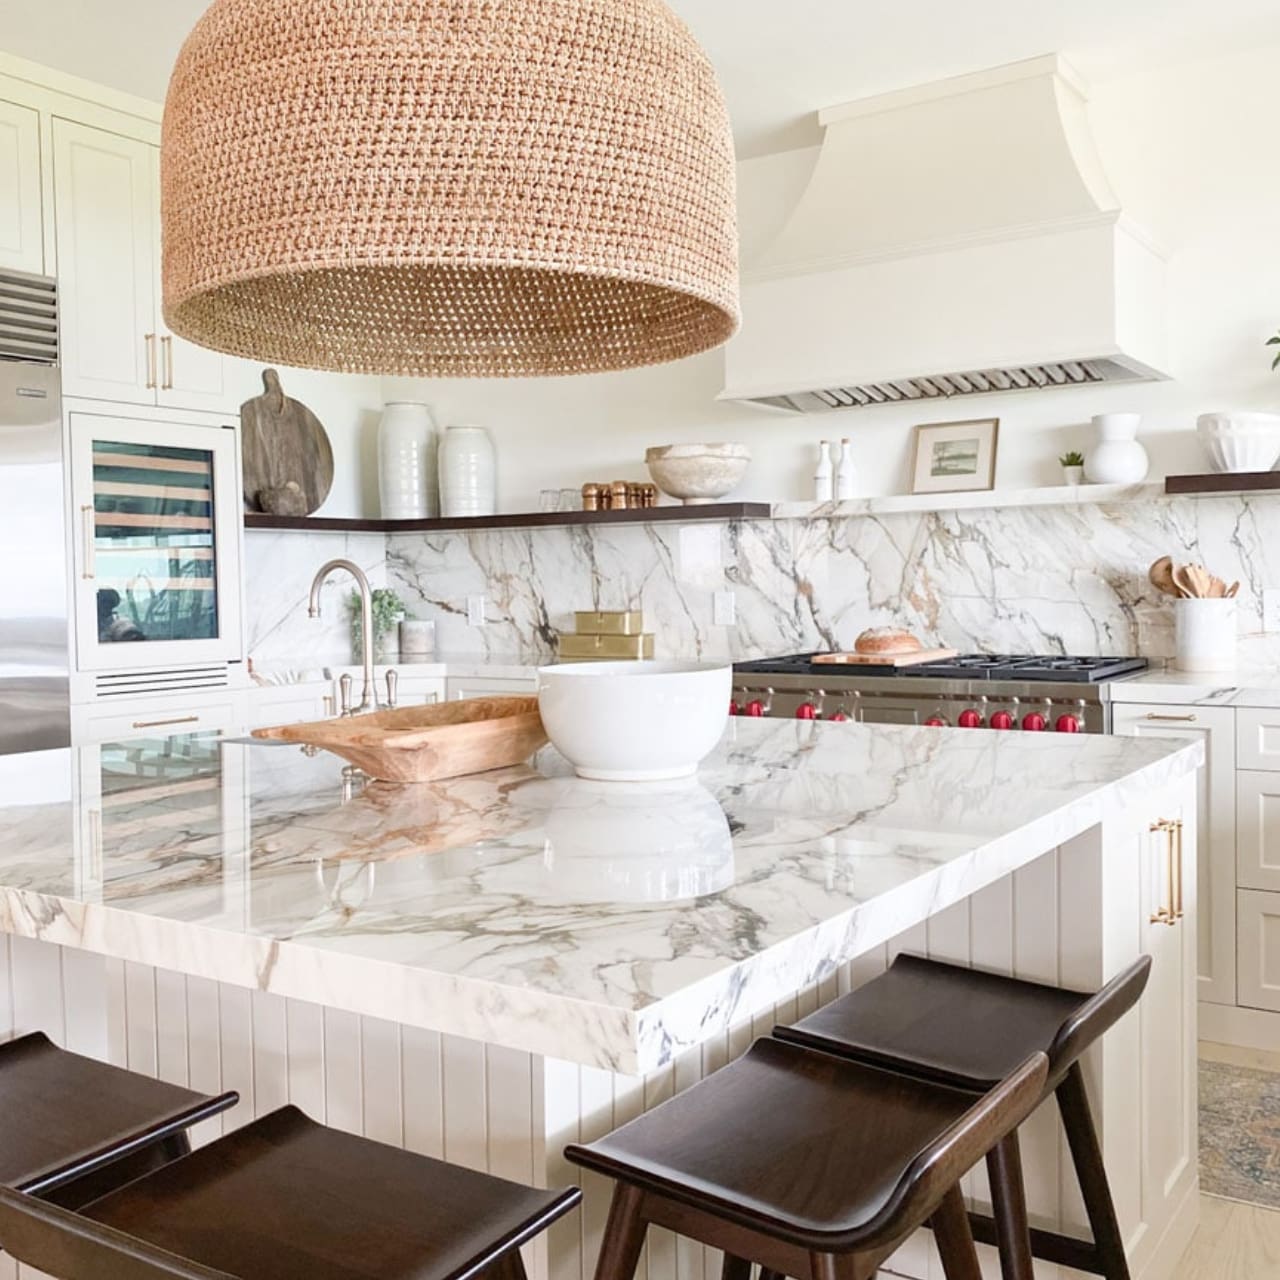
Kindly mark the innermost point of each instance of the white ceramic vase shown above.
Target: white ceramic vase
(407, 484)
(468, 473)
(1117, 458)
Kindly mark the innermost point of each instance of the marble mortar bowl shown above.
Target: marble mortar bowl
(634, 721)
(698, 473)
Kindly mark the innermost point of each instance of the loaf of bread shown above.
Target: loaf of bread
(887, 641)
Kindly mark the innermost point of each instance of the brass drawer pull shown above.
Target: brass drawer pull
(1172, 911)
(88, 533)
(157, 724)
(150, 340)
(166, 346)
(1151, 715)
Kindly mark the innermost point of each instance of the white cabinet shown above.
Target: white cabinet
(459, 687)
(1258, 734)
(1259, 950)
(1258, 830)
(133, 718)
(21, 222)
(1216, 797)
(115, 346)
(276, 704)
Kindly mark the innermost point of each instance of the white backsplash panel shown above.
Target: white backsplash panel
(1052, 579)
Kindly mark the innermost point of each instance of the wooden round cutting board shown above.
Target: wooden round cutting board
(283, 441)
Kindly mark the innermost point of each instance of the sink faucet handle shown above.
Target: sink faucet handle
(393, 683)
(344, 693)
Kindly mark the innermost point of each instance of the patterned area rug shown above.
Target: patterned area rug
(1240, 1133)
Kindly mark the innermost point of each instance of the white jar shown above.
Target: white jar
(468, 473)
(1117, 458)
(417, 639)
(407, 483)
(1205, 634)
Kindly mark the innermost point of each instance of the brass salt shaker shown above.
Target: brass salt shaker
(591, 497)
(620, 490)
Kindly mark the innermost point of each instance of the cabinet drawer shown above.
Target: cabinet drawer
(1258, 738)
(482, 687)
(1258, 830)
(1258, 925)
(89, 725)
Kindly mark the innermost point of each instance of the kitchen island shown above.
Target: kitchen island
(488, 968)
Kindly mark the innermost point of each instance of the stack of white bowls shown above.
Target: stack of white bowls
(1241, 441)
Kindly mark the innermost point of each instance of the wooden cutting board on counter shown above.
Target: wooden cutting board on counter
(883, 659)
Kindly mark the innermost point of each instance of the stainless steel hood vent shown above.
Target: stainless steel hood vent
(954, 239)
(28, 318)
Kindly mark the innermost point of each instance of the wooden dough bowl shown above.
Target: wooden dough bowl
(430, 742)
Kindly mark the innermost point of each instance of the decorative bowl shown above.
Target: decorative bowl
(698, 473)
(634, 721)
(1241, 441)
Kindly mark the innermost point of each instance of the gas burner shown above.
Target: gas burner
(967, 666)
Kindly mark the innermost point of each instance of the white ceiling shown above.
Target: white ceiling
(780, 60)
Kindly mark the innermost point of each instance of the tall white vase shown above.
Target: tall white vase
(1117, 458)
(468, 473)
(408, 488)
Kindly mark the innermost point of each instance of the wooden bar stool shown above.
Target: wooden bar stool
(813, 1166)
(965, 1028)
(289, 1199)
(72, 1129)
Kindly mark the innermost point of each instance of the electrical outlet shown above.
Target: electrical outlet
(1271, 609)
(475, 611)
(724, 609)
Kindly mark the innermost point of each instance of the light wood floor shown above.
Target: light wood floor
(1234, 1241)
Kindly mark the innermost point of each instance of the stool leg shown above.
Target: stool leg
(1082, 1137)
(1009, 1203)
(735, 1268)
(951, 1233)
(624, 1234)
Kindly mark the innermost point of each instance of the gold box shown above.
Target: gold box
(616, 622)
(604, 648)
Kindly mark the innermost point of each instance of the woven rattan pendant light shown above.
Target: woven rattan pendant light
(465, 188)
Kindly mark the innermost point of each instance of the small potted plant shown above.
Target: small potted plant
(1072, 466)
(388, 609)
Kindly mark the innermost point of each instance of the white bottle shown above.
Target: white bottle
(823, 476)
(844, 472)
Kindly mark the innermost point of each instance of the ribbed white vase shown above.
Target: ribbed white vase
(468, 473)
(407, 473)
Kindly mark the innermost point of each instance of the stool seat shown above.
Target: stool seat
(962, 1026)
(64, 1117)
(291, 1199)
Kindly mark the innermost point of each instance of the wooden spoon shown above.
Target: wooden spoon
(1232, 590)
(1202, 581)
(1160, 575)
(1182, 580)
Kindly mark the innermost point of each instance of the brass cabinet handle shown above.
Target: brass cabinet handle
(1175, 837)
(1151, 715)
(166, 346)
(150, 340)
(89, 571)
(156, 724)
(1171, 912)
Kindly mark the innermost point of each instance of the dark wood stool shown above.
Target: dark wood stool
(965, 1028)
(72, 1129)
(813, 1166)
(290, 1199)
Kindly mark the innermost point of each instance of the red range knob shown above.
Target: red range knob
(1068, 724)
(970, 720)
(1002, 720)
(936, 722)
(755, 708)
(839, 718)
(806, 711)
(733, 707)
(1034, 722)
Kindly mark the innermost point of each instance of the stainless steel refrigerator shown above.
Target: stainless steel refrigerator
(34, 633)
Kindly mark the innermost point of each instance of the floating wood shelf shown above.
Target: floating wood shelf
(1224, 482)
(528, 520)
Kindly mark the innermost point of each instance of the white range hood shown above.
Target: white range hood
(958, 238)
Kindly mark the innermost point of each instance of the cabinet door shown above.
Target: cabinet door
(1168, 1017)
(21, 227)
(1259, 950)
(1258, 827)
(105, 219)
(1259, 738)
(157, 547)
(1216, 804)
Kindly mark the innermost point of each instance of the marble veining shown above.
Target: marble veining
(608, 925)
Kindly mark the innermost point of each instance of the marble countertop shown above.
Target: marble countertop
(1247, 687)
(611, 925)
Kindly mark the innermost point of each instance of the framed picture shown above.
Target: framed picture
(952, 457)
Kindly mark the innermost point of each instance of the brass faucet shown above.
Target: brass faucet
(368, 697)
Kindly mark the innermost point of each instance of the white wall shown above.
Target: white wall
(1191, 152)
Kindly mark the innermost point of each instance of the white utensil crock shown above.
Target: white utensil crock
(407, 484)
(468, 473)
(1205, 634)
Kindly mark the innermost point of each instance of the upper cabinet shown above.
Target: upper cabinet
(107, 219)
(21, 221)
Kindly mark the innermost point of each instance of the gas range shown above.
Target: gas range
(970, 691)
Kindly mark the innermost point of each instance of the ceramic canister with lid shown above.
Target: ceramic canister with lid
(468, 473)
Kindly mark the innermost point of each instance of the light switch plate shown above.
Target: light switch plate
(475, 611)
(724, 609)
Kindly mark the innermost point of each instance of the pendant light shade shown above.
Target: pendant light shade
(452, 188)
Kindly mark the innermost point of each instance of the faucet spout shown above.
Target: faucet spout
(368, 697)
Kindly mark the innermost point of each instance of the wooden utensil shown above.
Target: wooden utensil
(1200, 579)
(1182, 581)
(283, 441)
(1160, 575)
(426, 743)
(1233, 590)
(883, 659)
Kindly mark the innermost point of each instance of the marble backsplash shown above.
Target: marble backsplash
(1048, 579)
